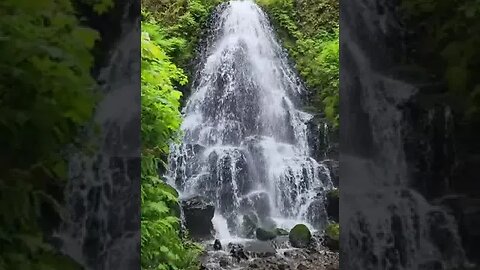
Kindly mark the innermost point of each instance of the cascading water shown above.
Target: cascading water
(101, 228)
(245, 143)
(386, 224)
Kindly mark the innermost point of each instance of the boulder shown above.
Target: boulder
(300, 236)
(198, 212)
(333, 205)
(265, 235)
(217, 245)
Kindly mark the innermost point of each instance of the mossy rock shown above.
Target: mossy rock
(280, 231)
(300, 236)
(332, 236)
(265, 235)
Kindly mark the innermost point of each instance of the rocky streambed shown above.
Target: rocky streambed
(274, 254)
(262, 247)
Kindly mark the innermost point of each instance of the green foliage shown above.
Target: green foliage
(334, 193)
(448, 40)
(161, 243)
(333, 231)
(46, 95)
(309, 31)
(182, 22)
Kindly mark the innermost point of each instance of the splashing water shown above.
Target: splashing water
(245, 144)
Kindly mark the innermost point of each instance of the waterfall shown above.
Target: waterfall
(245, 142)
(100, 229)
(386, 224)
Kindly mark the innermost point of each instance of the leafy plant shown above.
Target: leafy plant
(46, 96)
(161, 242)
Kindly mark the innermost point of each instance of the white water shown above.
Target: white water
(245, 143)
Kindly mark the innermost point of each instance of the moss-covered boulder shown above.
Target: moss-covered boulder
(265, 235)
(300, 236)
(332, 236)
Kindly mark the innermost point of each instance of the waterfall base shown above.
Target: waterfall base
(276, 254)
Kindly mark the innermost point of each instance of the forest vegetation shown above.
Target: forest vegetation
(47, 96)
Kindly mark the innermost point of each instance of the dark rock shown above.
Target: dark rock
(316, 212)
(249, 225)
(258, 202)
(333, 205)
(302, 267)
(237, 252)
(280, 231)
(265, 235)
(198, 213)
(223, 262)
(300, 236)
(467, 213)
(332, 236)
(217, 245)
(333, 166)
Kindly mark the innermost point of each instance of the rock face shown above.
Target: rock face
(333, 166)
(333, 205)
(198, 213)
(300, 236)
(249, 225)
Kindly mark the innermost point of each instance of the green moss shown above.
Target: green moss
(334, 193)
(300, 236)
(333, 231)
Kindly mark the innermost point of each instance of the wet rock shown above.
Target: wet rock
(302, 267)
(333, 166)
(217, 245)
(317, 214)
(249, 225)
(280, 231)
(223, 262)
(265, 235)
(260, 249)
(198, 213)
(258, 202)
(237, 252)
(333, 205)
(300, 236)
